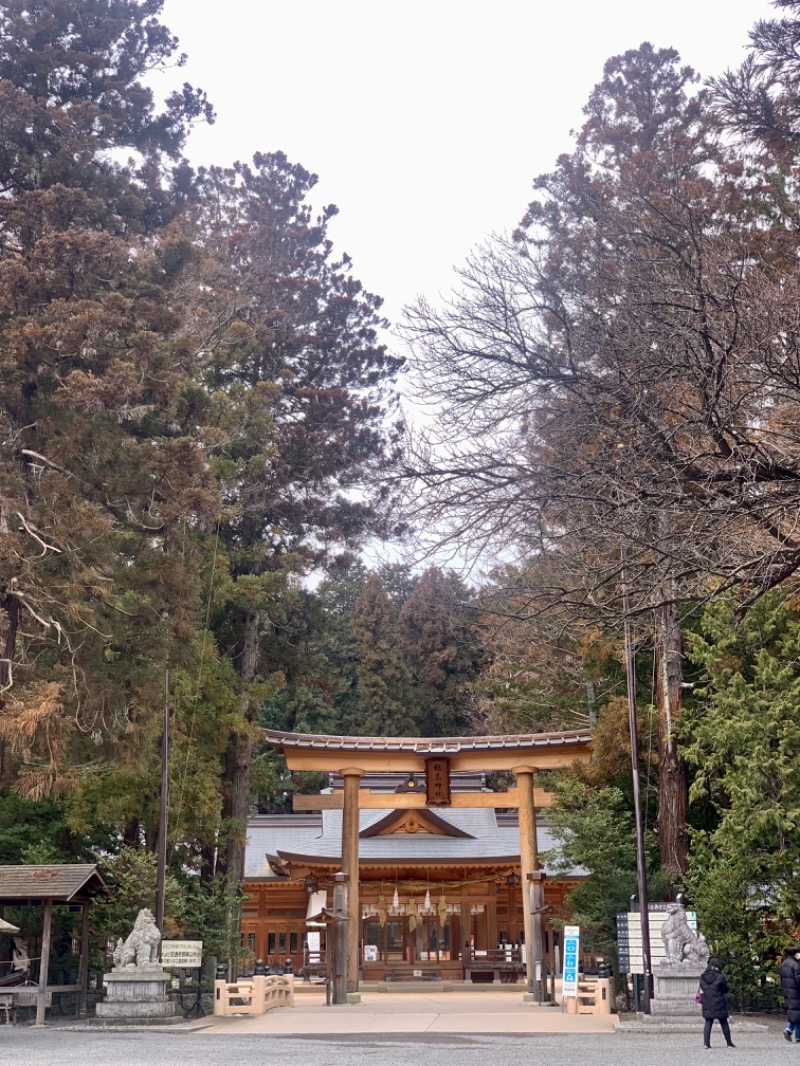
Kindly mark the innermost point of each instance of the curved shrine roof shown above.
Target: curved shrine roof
(486, 842)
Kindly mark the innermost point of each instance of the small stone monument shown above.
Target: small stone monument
(137, 985)
(677, 979)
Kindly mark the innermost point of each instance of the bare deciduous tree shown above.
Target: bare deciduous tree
(620, 384)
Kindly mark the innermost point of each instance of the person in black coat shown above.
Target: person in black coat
(790, 981)
(715, 1003)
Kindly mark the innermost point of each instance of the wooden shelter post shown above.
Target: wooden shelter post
(83, 968)
(351, 776)
(529, 863)
(44, 963)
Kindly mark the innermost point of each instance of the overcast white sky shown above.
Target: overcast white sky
(425, 120)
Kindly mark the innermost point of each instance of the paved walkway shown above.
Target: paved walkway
(451, 1012)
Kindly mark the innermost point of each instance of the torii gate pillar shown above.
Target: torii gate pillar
(351, 777)
(529, 863)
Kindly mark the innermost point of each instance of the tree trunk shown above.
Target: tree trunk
(673, 787)
(238, 760)
(235, 806)
(208, 862)
(9, 605)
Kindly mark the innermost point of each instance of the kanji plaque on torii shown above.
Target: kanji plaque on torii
(437, 782)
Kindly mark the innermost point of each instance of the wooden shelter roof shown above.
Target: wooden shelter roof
(310, 751)
(58, 883)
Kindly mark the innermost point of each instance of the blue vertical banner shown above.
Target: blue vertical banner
(572, 943)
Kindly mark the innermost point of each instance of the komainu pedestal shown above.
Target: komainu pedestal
(674, 988)
(139, 995)
(136, 989)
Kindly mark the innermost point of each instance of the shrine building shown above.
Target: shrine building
(443, 874)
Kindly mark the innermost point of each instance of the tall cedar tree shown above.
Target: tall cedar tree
(305, 384)
(322, 692)
(337, 596)
(384, 682)
(100, 477)
(547, 670)
(439, 638)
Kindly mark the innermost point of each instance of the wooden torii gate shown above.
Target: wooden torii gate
(437, 758)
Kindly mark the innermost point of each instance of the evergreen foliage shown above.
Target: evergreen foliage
(595, 829)
(744, 726)
(384, 679)
(437, 629)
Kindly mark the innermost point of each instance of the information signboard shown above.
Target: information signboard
(314, 942)
(629, 937)
(572, 942)
(182, 954)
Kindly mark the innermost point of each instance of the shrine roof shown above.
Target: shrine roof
(59, 883)
(475, 822)
(318, 840)
(266, 834)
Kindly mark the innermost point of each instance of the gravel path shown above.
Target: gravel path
(52, 1047)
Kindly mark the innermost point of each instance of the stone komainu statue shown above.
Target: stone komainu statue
(141, 947)
(681, 943)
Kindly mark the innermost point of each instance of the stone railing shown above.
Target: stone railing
(253, 995)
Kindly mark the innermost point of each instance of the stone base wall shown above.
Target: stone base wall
(674, 988)
(140, 993)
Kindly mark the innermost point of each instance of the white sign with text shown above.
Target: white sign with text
(182, 954)
(572, 943)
